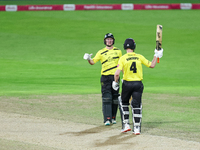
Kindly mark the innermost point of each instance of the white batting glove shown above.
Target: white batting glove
(115, 85)
(87, 56)
(158, 53)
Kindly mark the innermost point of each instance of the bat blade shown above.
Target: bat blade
(159, 39)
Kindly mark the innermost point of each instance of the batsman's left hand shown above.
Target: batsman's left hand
(158, 53)
(115, 85)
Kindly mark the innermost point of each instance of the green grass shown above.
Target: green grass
(43, 72)
(42, 52)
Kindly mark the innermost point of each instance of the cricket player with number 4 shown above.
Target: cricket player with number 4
(109, 57)
(131, 66)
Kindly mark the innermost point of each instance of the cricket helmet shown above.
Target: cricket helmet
(109, 35)
(129, 43)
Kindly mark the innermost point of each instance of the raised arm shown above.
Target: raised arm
(158, 54)
(91, 62)
(88, 57)
(153, 63)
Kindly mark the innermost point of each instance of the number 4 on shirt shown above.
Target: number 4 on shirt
(133, 67)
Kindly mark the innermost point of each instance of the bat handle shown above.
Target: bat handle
(158, 60)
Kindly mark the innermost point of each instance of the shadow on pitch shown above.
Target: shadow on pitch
(119, 138)
(94, 130)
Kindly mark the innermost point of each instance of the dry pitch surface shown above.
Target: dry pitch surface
(29, 132)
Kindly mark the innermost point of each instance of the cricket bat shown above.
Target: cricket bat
(159, 39)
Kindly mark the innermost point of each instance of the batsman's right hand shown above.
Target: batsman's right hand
(158, 53)
(87, 56)
(115, 85)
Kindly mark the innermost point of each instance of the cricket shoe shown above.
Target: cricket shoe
(126, 128)
(136, 130)
(107, 123)
(114, 121)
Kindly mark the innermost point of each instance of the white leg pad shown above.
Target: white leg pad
(122, 110)
(137, 115)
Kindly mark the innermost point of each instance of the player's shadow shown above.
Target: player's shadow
(120, 138)
(89, 131)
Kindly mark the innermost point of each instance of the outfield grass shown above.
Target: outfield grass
(42, 52)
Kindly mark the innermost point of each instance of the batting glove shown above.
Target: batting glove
(158, 53)
(115, 85)
(87, 56)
